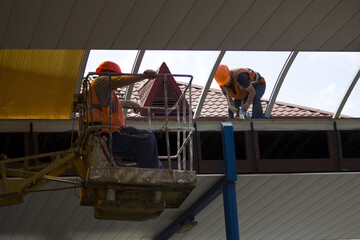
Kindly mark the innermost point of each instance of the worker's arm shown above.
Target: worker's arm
(252, 92)
(130, 104)
(125, 80)
(231, 104)
(230, 101)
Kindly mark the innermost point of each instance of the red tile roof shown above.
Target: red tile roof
(216, 107)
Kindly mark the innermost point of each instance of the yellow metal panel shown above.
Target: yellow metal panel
(38, 84)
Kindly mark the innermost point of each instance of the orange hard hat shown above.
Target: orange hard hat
(222, 75)
(107, 65)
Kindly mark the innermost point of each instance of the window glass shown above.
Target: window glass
(320, 79)
(125, 59)
(196, 63)
(316, 79)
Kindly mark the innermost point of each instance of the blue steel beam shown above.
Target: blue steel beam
(225, 185)
(229, 191)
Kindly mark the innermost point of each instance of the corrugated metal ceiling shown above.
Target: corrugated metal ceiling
(298, 206)
(309, 25)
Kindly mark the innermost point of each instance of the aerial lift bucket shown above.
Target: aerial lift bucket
(129, 193)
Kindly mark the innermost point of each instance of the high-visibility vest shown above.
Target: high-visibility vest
(101, 115)
(240, 92)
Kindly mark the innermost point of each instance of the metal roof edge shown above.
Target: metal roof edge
(320, 124)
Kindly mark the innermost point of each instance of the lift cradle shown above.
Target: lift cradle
(116, 192)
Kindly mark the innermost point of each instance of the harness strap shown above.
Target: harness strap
(256, 80)
(257, 76)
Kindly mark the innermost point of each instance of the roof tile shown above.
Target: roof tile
(215, 105)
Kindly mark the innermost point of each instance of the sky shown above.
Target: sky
(316, 79)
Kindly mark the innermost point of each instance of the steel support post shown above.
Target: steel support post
(279, 82)
(207, 85)
(347, 94)
(226, 185)
(229, 192)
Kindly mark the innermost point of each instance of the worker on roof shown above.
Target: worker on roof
(128, 142)
(241, 87)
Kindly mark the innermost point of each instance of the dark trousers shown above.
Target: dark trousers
(137, 145)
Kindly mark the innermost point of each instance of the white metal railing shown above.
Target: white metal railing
(183, 118)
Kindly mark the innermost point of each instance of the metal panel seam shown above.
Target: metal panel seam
(340, 28)
(180, 24)
(37, 24)
(285, 30)
(259, 29)
(193, 210)
(197, 39)
(241, 17)
(65, 25)
(314, 27)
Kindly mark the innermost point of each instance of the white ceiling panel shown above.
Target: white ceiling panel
(345, 36)
(80, 24)
(113, 230)
(51, 23)
(10, 219)
(137, 24)
(223, 22)
(165, 24)
(288, 206)
(354, 45)
(32, 210)
(260, 25)
(62, 215)
(5, 11)
(279, 21)
(48, 211)
(72, 225)
(252, 20)
(332, 23)
(3, 211)
(21, 23)
(194, 24)
(304, 24)
(109, 24)
(98, 229)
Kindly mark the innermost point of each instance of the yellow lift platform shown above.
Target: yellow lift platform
(116, 193)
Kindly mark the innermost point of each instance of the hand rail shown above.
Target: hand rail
(186, 126)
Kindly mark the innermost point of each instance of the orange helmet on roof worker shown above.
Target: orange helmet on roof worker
(107, 65)
(222, 75)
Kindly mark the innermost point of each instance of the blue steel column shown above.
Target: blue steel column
(227, 184)
(229, 192)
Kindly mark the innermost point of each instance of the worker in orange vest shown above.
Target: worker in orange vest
(241, 87)
(128, 142)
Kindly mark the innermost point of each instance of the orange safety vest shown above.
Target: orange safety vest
(100, 114)
(240, 92)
